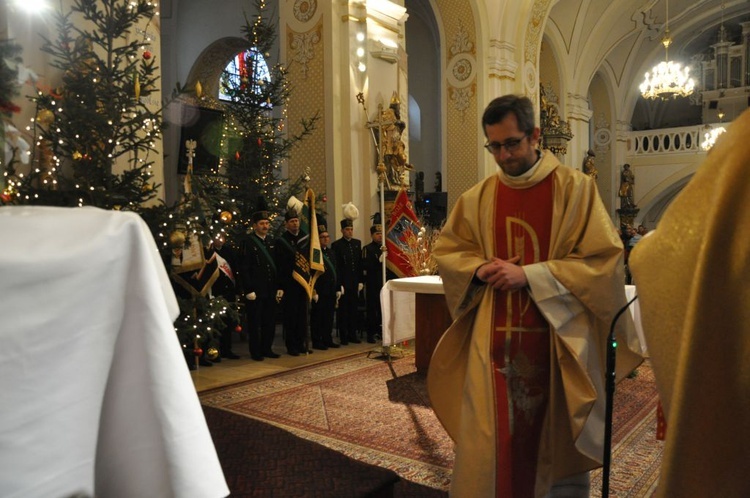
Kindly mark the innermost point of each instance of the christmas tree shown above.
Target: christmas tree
(97, 137)
(98, 141)
(255, 123)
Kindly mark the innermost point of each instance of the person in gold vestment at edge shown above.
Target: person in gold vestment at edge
(692, 275)
(532, 268)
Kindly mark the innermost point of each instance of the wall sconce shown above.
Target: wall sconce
(385, 50)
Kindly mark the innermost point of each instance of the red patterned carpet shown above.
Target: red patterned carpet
(378, 413)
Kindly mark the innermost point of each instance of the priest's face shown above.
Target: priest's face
(513, 150)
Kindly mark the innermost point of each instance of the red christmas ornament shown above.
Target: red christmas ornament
(325, 198)
(197, 351)
(7, 198)
(260, 142)
(146, 54)
(238, 329)
(237, 155)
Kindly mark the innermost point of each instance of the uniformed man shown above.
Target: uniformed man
(260, 283)
(293, 296)
(326, 293)
(372, 263)
(348, 255)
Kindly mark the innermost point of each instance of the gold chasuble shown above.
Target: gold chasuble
(693, 280)
(518, 378)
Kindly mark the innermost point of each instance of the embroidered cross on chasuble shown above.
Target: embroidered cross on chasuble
(521, 338)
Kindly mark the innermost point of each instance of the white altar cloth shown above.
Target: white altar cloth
(95, 393)
(397, 304)
(635, 312)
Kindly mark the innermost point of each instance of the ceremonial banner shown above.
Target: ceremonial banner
(308, 262)
(401, 236)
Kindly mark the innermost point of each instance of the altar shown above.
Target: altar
(415, 307)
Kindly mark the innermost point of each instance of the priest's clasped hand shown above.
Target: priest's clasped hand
(502, 274)
(251, 296)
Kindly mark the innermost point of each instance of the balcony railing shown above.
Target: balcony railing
(666, 141)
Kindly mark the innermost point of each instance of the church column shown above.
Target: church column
(578, 115)
(746, 53)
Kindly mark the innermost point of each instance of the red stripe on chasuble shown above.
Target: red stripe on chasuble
(520, 340)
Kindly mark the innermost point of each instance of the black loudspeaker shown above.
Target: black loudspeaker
(435, 208)
(205, 127)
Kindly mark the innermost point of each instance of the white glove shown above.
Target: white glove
(315, 298)
(279, 295)
(382, 256)
(342, 291)
(338, 295)
(360, 286)
(251, 296)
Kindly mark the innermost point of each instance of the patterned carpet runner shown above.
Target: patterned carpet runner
(379, 413)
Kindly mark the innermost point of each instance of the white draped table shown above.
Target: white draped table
(404, 319)
(95, 393)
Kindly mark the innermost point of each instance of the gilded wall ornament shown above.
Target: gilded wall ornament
(304, 10)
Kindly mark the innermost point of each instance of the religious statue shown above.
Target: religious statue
(627, 181)
(438, 182)
(589, 168)
(393, 147)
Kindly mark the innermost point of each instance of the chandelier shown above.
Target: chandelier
(710, 137)
(667, 79)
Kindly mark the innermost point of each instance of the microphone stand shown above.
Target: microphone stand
(610, 394)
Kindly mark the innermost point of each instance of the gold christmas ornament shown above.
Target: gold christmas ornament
(45, 117)
(212, 353)
(226, 217)
(137, 88)
(77, 156)
(177, 239)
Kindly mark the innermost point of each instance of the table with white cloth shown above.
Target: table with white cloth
(635, 311)
(415, 308)
(95, 392)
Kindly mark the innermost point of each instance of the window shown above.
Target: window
(246, 67)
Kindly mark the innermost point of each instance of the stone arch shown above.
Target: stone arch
(655, 202)
(209, 65)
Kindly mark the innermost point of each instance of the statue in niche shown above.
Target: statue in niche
(438, 182)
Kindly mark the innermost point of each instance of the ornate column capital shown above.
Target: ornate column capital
(501, 60)
(577, 108)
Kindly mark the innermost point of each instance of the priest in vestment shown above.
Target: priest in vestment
(693, 280)
(532, 268)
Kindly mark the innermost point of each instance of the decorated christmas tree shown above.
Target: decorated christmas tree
(96, 136)
(98, 139)
(255, 124)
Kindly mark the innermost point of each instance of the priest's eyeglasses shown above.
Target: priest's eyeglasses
(511, 145)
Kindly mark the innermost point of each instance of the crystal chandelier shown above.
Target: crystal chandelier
(710, 137)
(668, 79)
